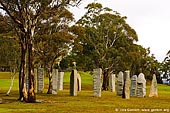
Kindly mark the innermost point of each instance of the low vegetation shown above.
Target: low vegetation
(84, 102)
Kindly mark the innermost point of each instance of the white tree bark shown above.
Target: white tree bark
(12, 81)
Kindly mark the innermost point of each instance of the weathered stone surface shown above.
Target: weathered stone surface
(78, 82)
(60, 80)
(120, 83)
(154, 87)
(112, 82)
(40, 80)
(97, 82)
(54, 81)
(27, 82)
(141, 85)
(126, 87)
(73, 83)
(35, 80)
(140, 92)
(133, 85)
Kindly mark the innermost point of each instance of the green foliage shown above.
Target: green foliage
(9, 47)
(165, 66)
(53, 38)
(106, 39)
(9, 50)
(25, 16)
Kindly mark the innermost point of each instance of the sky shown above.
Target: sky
(149, 18)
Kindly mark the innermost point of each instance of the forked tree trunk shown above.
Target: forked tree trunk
(27, 95)
(22, 91)
(31, 92)
(50, 81)
(105, 85)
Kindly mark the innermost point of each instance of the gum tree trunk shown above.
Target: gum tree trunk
(22, 90)
(50, 81)
(31, 92)
(105, 85)
(13, 73)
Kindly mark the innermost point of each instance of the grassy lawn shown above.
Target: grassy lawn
(84, 102)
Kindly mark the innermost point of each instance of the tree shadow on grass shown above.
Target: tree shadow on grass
(8, 100)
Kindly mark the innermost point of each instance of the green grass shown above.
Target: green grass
(84, 102)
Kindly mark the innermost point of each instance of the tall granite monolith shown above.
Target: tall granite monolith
(133, 88)
(141, 85)
(154, 87)
(73, 83)
(35, 80)
(27, 82)
(54, 81)
(126, 87)
(97, 82)
(40, 80)
(78, 82)
(120, 83)
(112, 82)
(60, 80)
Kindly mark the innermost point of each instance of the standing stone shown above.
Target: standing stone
(35, 80)
(133, 85)
(73, 83)
(112, 82)
(40, 80)
(54, 81)
(141, 85)
(120, 83)
(126, 87)
(78, 82)
(97, 82)
(27, 82)
(154, 88)
(60, 80)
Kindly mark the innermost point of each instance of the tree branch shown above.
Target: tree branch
(8, 12)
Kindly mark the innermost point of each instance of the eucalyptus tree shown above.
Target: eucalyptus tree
(165, 66)
(25, 15)
(9, 48)
(8, 41)
(9, 57)
(107, 34)
(54, 39)
(147, 63)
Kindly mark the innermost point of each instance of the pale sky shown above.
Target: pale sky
(149, 18)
